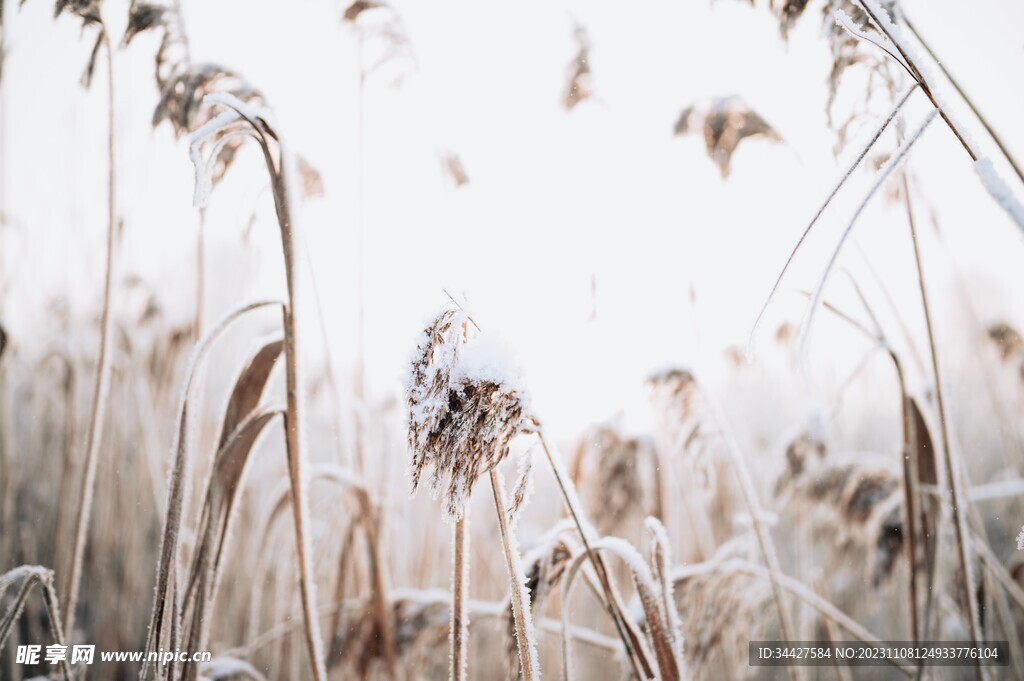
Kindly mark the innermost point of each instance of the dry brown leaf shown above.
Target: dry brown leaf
(358, 7)
(249, 388)
(724, 123)
(579, 86)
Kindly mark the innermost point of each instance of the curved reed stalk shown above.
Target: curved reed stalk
(865, 150)
(30, 575)
(660, 624)
(631, 640)
(883, 175)
(166, 589)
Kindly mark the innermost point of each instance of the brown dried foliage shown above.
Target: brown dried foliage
(862, 505)
(579, 85)
(724, 123)
(613, 484)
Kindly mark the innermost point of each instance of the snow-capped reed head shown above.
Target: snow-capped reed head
(466, 402)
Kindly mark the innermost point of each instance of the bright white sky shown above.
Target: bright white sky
(555, 198)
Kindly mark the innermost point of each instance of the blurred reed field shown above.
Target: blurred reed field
(686, 324)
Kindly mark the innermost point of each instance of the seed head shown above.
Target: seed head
(465, 406)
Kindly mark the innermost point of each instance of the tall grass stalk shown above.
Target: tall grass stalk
(459, 633)
(294, 431)
(958, 496)
(101, 385)
(613, 603)
(526, 638)
(893, 112)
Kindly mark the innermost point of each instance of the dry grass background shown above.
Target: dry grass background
(279, 534)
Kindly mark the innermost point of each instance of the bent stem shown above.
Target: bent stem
(101, 386)
(623, 625)
(263, 132)
(887, 28)
(967, 100)
(166, 580)
(825, 204)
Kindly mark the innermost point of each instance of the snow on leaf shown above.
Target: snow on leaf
(1000, 191)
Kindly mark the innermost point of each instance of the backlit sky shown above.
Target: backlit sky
(556, 199)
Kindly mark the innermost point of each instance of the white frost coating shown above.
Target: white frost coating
(252, 113)
(236, 110)
(673, 621)
(999, 190)
(201, 195)
(897, 106)
(850, 26)
(518, 577)
(627, 552)
(21, 571)
(1020, 540)
(885, 24)
(883, 175)
(524, 486)
(488, 358)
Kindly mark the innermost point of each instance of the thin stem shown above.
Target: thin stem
(764, 540)
(630, 639)
(821, 209)
(167, 559)
(910, 496)
(101, 386)
(293, 427)
(967, 100)
(917, 75)
(526, 639)
(459, 632)
(952, 470)
(624, 627)
(295, 411)
(911, 455)
(893, 163)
